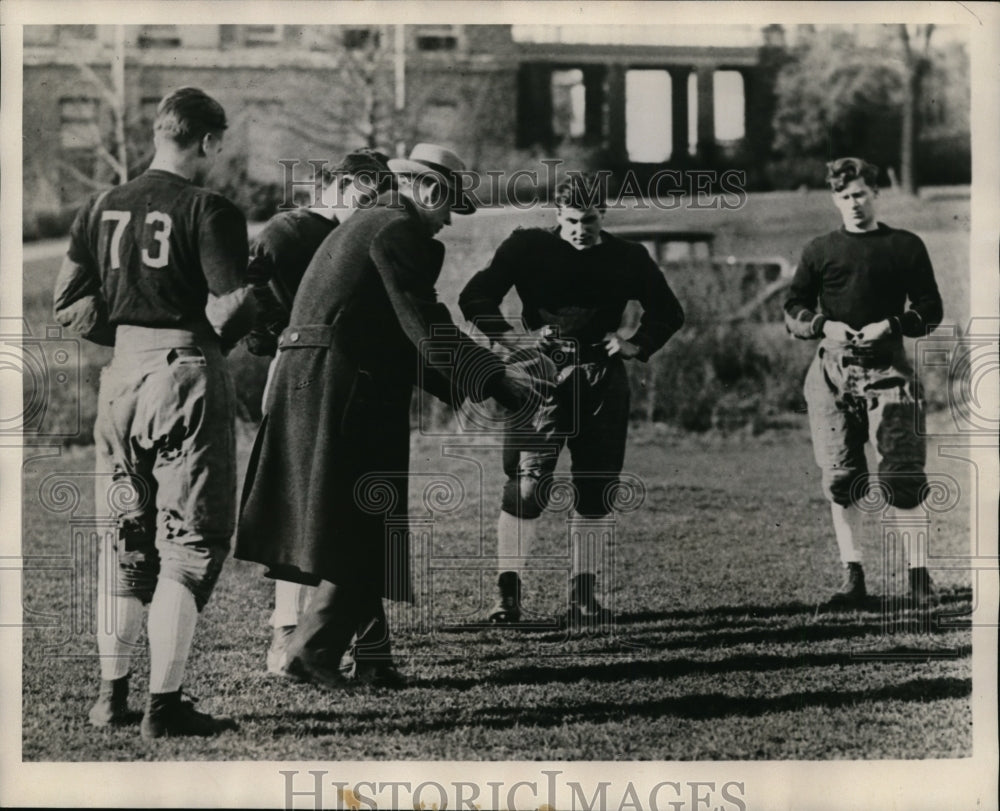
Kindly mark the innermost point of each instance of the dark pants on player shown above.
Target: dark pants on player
(588, 412)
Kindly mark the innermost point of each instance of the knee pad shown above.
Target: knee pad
(137, 562)
(904, 490)
(845, 487)
(522, 496)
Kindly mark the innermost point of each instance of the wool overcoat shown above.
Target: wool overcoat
(325, 495)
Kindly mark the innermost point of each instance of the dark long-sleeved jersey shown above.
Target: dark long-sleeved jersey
(581, 292)
(863, 278)
(278, 260)
(149, 253)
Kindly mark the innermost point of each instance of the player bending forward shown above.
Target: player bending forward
(860, 386)
(156, 268)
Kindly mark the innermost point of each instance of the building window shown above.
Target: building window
(730, 105)
(78, 127)
(649, 122)
(569, 100)
(254, 35)
(159, 36)
(437, 38)
(356, 39)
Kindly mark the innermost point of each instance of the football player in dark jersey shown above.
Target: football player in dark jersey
(278, 259)
(157, 268)
(574, 282)
(860, 290)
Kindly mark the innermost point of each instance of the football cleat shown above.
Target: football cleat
(384, 674)
(853, 594)
(277, 652)
(584, 608)
(168, 716)
(315, 669)
(922, 591)
(111, 707)
(508, 606)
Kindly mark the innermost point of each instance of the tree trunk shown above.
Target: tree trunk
(907, 175)
(118, 88)
(917, 65)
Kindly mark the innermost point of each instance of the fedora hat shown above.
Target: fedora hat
(441, 163)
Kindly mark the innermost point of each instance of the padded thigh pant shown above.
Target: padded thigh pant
(851, 403)
(588, 413)
(165, 434)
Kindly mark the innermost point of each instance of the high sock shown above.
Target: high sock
(173, 615)
(515, 538)
(847, 528)
(290, 600)
(119, 624)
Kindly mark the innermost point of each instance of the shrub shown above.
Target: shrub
(724, 377)
(257, 200)
(48, 223)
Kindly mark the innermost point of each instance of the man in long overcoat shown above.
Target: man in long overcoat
(329, 466)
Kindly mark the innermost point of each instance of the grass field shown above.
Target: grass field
(719, 653)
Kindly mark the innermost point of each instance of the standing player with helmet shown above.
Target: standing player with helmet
(861, 387)
(278, 260)
(574, 282)
(156, 268)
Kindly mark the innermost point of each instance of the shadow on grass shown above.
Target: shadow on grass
(653, 669)
(848, 626)
(736, 611)
(949, 597)
(725, 616)
(699, 706)
(635, 670)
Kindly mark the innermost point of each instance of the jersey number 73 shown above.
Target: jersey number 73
(156, 254)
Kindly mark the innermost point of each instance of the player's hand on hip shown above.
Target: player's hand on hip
(874, 331)
(839, 331)
(616, 345)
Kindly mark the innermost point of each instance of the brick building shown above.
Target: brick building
(312, 92)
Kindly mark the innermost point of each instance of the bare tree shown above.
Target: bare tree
(917, 62)
(113, 94)
(366, 108)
